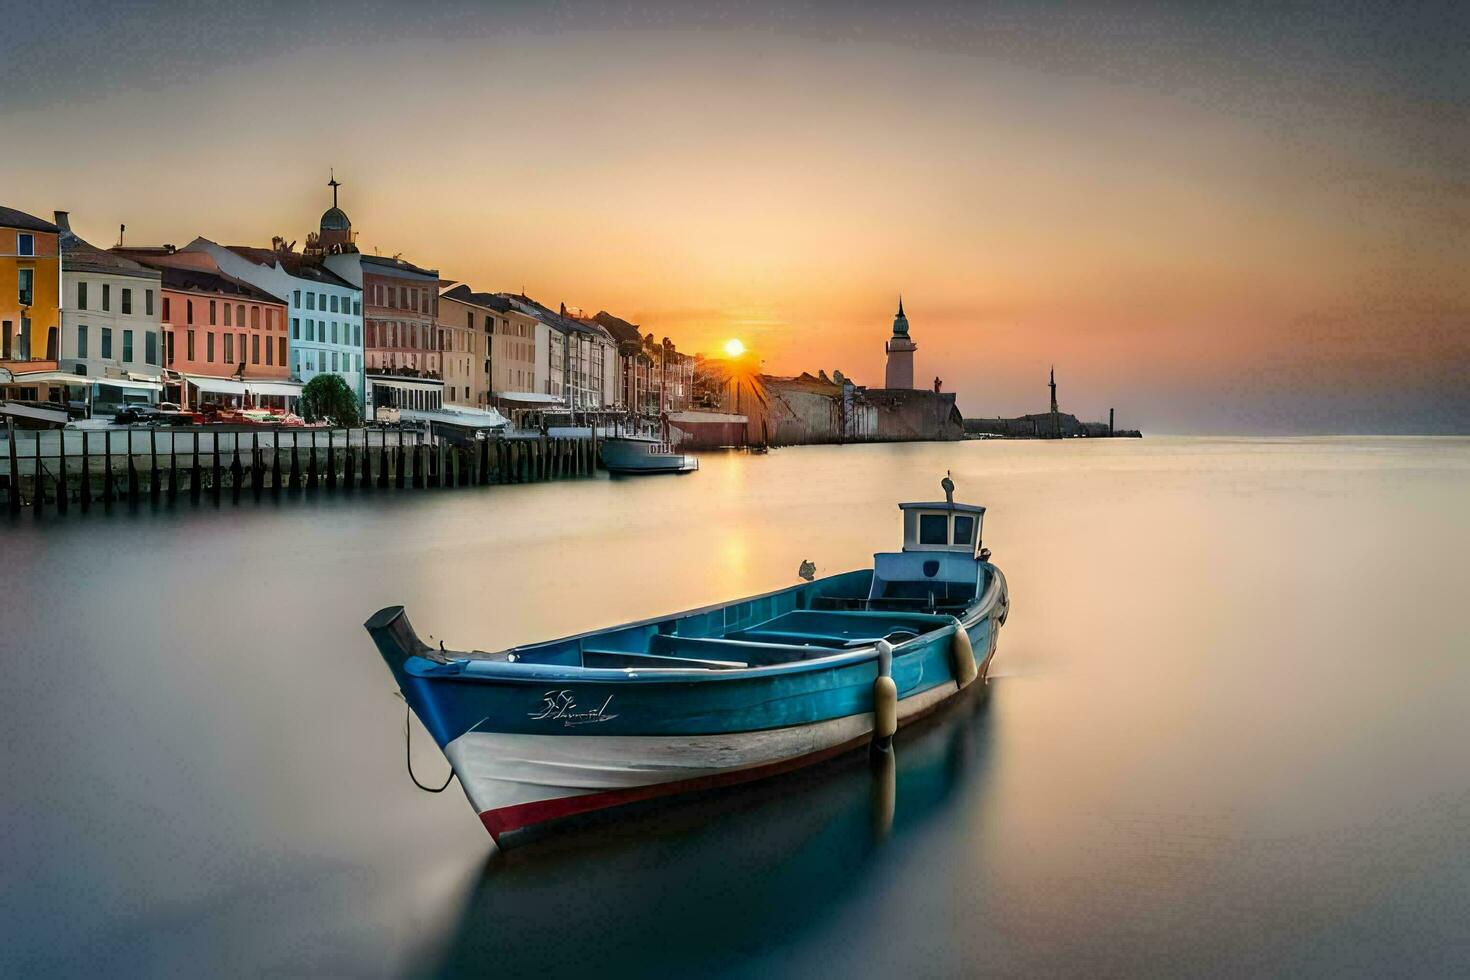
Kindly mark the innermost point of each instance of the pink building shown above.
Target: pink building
(219, 334)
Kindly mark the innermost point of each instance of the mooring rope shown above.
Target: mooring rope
(408, 755)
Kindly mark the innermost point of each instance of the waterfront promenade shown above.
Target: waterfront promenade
(59, 470)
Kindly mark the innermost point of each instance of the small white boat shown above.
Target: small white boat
(644, 454)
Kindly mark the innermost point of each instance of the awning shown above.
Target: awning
(408, 384)
(82, 380)
(530, 397)
(286, 388)
(220, 386)
(464, 417)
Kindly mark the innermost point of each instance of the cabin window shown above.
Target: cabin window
(933, 529)
(964, 529)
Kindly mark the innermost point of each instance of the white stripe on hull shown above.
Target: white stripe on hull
(499, 770)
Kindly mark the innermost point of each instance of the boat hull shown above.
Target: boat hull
(518, 781)
(536, 742)
(639, 456)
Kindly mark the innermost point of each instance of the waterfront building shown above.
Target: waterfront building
(401, 356)
(465, 329)
(900, 348)
(111, 329)
(671, 376)
(578, 357)
(30, 301)
(224, 340)
(323, 309)
(508, 342)
(635, 366)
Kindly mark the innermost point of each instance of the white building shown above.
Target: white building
(577, 358)
(324, 310)
(110, 322)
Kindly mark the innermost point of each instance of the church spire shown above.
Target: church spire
(334, 183)
(900, 304)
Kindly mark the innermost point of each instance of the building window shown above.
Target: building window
(209, 347)
(295, 328)
(106, 296)
(168, 346)
(227, 314)
(334, 361)
(311, 301)
(229, 348)
(357, 307)
(106, 341)
(81, 295)
(25, 286)
(334, 303)
(189, 345)
(269, 352)
(147, 302)
(296, 299)
(357, 335)
(281, 348)
(334, 331)
(213, 313)
(240, 316)
(255, 348)
(242, 347)
(82, 340)
(25, 244)
(127, 301)
(166, 317)
(254, 318)
(188, 311)
(150, 347)
(127, 339)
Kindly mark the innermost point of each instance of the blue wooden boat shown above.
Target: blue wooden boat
(718, 695)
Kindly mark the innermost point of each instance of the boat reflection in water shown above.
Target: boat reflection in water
(747, 870)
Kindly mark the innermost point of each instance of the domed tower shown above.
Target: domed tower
(336, 233)
(900, 348)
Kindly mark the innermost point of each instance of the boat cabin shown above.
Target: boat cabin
(938, 566)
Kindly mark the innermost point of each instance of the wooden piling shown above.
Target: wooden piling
(153, 487)
(194, 475)
(331, 458)
(257, 465)
(61, 490)
(367, 462)
(108, 493)
(173, 466)
(237, 472)
(217, 485)
(14, 467)
(132, 472)
(38, 484)
(276, 464)
(84, 492)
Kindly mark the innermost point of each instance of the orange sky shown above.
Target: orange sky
(1207, 244)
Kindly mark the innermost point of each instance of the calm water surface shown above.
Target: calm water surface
(1229, 731)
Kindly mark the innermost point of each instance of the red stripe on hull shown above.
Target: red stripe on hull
(510, 818)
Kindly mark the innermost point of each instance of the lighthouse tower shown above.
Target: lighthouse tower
(900, 372)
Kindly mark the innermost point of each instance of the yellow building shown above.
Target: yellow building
(30, 301)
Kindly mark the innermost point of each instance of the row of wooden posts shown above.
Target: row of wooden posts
(263, 465)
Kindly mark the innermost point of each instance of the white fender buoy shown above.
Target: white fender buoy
(962, 658)
(885, 707)
(885, 698)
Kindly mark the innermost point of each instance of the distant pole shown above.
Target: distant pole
(1110, 422)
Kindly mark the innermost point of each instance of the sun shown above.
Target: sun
(733, 347)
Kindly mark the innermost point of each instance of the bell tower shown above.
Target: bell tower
(900, 349)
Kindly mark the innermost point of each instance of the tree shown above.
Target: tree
(326, 397)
